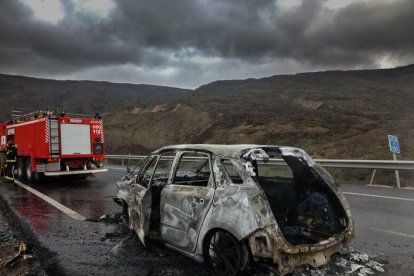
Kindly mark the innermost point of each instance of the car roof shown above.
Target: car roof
(233, 150)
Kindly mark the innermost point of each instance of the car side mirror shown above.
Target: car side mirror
(128, 169)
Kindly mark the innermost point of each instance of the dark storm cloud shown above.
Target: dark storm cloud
(155, 33)
(359, 33)
(71, 44)
(224, 28)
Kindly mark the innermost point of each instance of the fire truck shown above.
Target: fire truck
(51, 144)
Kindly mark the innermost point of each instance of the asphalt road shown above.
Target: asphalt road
(384, 219)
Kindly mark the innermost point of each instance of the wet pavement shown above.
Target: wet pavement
(384, 224)
(95, 247)
(88, 247)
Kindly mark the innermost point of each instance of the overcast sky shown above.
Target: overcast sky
(187, 43)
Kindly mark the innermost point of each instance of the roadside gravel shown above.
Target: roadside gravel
(9, 247)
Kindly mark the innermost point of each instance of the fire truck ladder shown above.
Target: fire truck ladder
(54, 137)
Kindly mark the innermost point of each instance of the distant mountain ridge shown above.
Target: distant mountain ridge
(28, 94)
(332, 114)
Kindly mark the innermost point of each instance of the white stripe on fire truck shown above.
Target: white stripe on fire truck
(47, 131)
(26, 123)
(52, 202)
(102, 132)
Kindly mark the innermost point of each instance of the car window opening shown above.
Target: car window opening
(158, 183)
(232, 171)
(193, 170)
(304, 207)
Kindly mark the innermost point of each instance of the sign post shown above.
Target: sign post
(395, 149)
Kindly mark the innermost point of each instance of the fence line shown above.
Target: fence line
(328, 163)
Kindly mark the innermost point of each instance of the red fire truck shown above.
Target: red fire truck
(55, 144)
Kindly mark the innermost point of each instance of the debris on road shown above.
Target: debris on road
(112, 236)
(110, 218)
(376, 266)
(14, 266)
(21, 255)
(358, 257)
(348, 262)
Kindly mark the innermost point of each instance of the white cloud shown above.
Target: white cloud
(47, 10)
(98, 7)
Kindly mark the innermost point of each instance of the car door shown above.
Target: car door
(140, 208)
(186, 200)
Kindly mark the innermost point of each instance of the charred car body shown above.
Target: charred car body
(228, 204)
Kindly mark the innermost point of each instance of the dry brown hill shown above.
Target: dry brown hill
(30, 94)
(333, 114)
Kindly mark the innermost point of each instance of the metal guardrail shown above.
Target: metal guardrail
(125, 157)
(328, 163)
(367, 164)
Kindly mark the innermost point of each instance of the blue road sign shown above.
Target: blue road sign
(394, 144)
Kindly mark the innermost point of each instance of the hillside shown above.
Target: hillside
(29, 94)
(334, 114)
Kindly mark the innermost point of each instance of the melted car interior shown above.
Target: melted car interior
(305, 207)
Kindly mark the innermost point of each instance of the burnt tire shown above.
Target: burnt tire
(21, 169)
(224, 254)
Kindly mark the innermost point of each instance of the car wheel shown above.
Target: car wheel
(224, 254)
(20, 169)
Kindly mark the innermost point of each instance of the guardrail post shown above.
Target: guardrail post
(372, 177)
(397, 174)
(129, 160)
(122, 162)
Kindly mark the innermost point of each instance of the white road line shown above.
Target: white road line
(115, 168)
(390, 232)
(380, 196)
(52, 202)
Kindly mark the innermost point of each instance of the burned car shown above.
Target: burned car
(227, 205)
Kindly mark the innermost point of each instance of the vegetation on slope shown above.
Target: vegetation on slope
(333, 114)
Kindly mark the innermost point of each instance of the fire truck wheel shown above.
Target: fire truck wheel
(29, 173)
(20, 169)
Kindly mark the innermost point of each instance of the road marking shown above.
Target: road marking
(52, 202)
(115, 168)
(380, 196)
(390, 232)
(381, 186)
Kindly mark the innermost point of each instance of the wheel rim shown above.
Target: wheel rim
(224, 253)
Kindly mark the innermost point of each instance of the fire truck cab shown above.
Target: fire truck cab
(55, 144)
